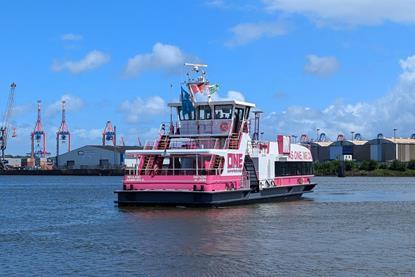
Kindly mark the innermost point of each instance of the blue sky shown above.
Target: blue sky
(336, 65)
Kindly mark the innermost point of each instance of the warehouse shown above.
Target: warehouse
(94, 157)
(358, 150)
(320, 150)
(389, 149)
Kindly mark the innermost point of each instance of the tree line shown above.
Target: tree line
(366, 168)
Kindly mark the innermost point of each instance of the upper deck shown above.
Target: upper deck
(212, 118)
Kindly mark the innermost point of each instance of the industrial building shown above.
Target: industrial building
(389, 149)
(14, 162)
(358, 150)
(325, 150)
(94, 157)
(320, 150)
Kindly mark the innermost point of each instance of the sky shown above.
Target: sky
(336, 65)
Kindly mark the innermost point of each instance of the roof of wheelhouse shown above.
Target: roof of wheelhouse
(225, 102)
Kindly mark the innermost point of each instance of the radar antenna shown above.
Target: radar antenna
(196, 70)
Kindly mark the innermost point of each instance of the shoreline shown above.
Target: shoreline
(374, 173)
(67, 172)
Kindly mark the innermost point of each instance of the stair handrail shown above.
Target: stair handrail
(217, 144)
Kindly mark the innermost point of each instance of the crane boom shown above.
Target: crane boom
(5, 127)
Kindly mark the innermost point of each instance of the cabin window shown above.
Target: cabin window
(293, 168)
(188, 116)
(223, 111)
(239, 113)
(205, 113)
(247, 111)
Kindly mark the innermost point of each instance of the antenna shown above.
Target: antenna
(197, 71)
(196, 66)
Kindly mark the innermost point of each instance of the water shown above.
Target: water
(70, 226)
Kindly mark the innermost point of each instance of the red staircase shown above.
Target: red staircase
(151, 160)
(216, 163)
(234, 141)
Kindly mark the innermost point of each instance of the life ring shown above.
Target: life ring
(224, 126)
(300, 181)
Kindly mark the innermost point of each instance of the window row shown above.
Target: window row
(220, 112)
(293, 168)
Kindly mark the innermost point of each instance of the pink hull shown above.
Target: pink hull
(292, 180)
(191, 183)
(202, 183)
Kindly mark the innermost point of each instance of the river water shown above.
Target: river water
(70, 226)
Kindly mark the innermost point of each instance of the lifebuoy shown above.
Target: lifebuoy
(224, 126)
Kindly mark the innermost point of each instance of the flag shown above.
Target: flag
(196, 88)
(213, 89)
(187, 103)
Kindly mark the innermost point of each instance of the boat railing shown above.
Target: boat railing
(167, 128)
(174, 172)
(189, 143)
(190, 127)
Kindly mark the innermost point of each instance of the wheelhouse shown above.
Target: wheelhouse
(218, 118)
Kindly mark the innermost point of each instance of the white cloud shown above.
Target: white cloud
(139, 108)
(393, 110)
(163, 57)
(91, 135)
(216, 3)
(22, 110)
(73, 103)
(247, 32)
(235, 95)
(230, 95)
(71, 37)
(348, 12)
(229, 5)
(92, 60)
(321, 66)
(142, 135)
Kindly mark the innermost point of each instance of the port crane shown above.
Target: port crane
(109, 134)
(38, 137)
(5, 126)
(62, 135)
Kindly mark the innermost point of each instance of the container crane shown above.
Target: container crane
(109, 134)
(62, 135)
(38, 137)
(4, 128)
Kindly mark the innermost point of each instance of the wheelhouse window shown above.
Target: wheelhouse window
(293, 168)
(188, 116)
(239, 112)
(247, 111)
(205, 112)
(223, 111)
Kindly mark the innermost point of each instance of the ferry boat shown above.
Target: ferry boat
(211, 157)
